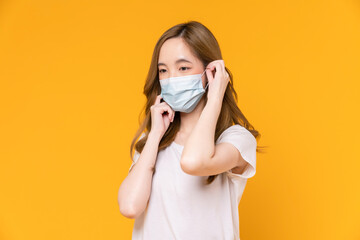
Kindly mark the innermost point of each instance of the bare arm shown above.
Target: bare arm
(200, 155)
(135, 190)
(201, 138)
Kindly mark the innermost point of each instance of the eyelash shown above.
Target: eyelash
(160, 71)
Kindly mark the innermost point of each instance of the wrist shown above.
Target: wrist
(154, 136)
(214, 102)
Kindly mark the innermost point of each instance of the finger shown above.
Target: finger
(227, 75)
(163, 107)
(218, 68)
(211, 65)
(167, 122)
(169, 110)
(223, 65)
(173, 114)
(209, 74)
(222, 62)
(170, 113)
(218, 65)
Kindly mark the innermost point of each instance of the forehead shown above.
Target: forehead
(173, 49)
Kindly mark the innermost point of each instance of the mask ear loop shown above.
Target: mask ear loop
(207, 82)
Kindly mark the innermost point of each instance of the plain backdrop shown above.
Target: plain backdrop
(71, 81)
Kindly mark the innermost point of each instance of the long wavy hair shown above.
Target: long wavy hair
(204, 45)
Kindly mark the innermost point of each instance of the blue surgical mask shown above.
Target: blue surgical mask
(183, 93)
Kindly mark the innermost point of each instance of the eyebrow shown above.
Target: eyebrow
(177, 61)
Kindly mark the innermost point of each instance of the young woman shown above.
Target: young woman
(196, 148)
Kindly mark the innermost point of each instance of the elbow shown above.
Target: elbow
(190, 166)
(127, 209)
(128, 212)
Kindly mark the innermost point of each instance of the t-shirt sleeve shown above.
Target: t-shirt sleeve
(135, 158)
(246, 143)
(136, 154)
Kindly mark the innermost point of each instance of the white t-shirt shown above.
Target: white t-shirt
(182, 207)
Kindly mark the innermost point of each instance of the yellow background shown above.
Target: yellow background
(71, 81)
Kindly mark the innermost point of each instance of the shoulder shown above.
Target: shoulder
(136, 153)
(237, 133)
(243, 140)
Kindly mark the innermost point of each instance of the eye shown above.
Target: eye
(184, 68)
(161, 70)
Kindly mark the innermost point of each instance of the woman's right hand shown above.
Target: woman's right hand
(160, 121)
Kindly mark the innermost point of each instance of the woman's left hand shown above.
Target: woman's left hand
(217, 84)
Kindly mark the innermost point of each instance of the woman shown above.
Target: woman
(196, 149)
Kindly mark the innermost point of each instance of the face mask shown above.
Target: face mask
(182, 93)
